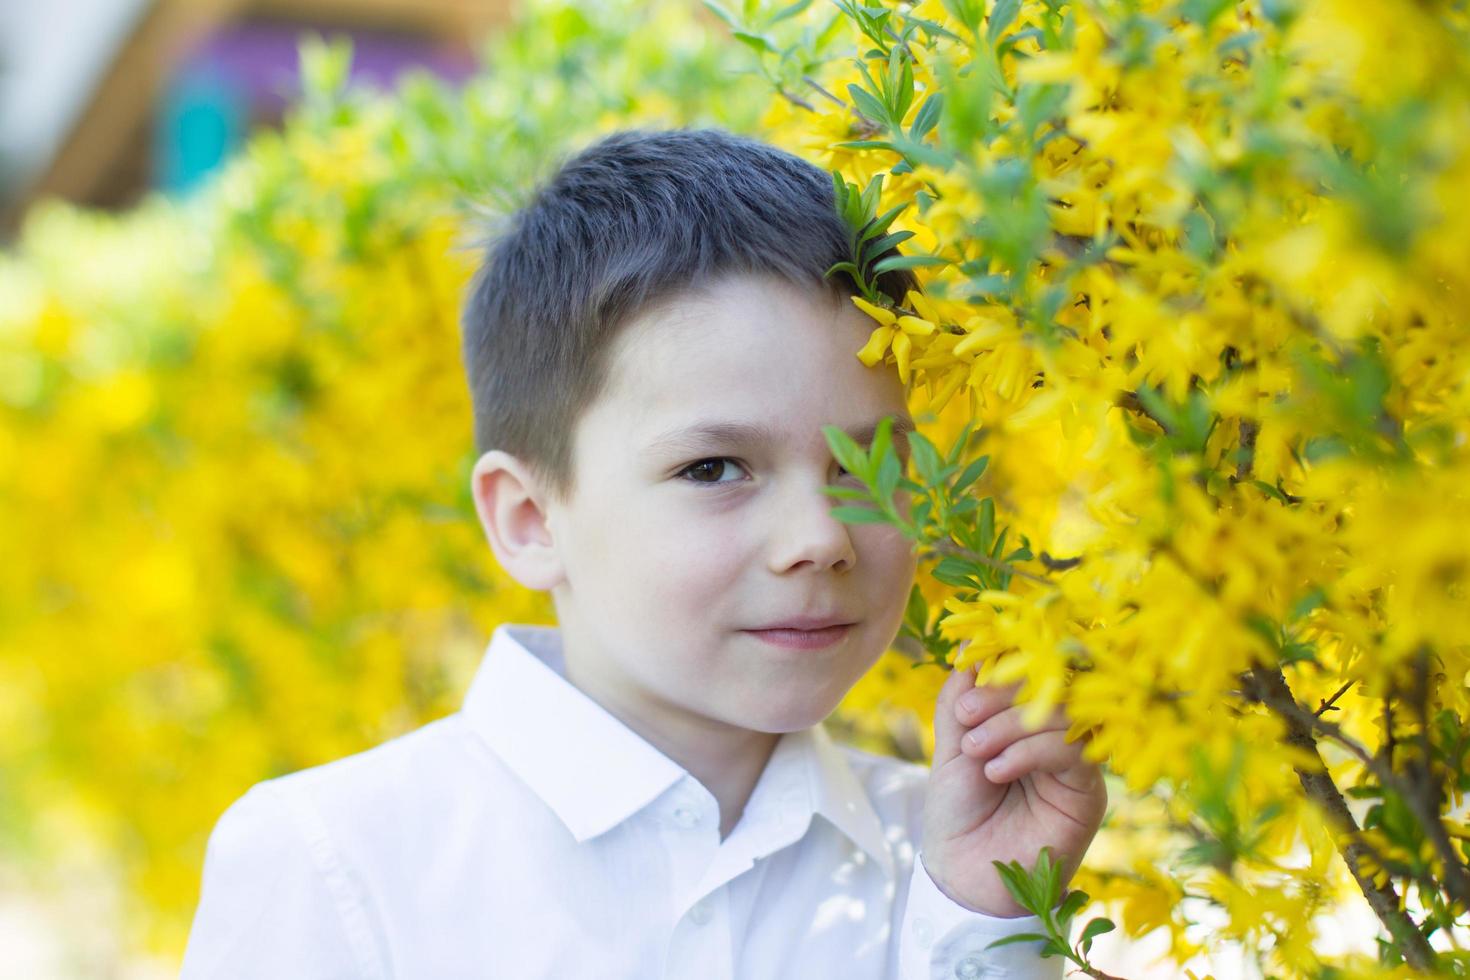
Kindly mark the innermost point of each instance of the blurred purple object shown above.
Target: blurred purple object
(262, 59)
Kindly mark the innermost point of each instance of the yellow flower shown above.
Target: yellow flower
(902, 345)
(877, 345)
(882, 315)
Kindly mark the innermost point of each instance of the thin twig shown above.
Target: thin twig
(1326, 705)
(1429, 794)
(946, 548)
(795, 99)
(1271, 689)
(814, 84)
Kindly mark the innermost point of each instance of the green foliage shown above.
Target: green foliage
(955, 529)
(1039, 891)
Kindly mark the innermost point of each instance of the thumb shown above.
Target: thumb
(947, 728)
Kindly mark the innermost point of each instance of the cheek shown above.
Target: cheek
(680, 550)
(890, 562)
(887, 552)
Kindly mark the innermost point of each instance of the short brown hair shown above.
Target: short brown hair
(634, 218)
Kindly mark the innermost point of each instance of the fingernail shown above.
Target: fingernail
(970, 701)
(975, 739)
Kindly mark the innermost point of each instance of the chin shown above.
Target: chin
(780, 719)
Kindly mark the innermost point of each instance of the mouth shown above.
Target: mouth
(800, 639)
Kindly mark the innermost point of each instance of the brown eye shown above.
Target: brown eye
(699, 471)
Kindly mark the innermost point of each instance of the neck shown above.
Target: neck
(726, 759)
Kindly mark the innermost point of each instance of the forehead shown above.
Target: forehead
(751, 350)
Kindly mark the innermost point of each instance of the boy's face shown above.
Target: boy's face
(674, 548)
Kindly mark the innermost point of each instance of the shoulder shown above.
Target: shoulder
(371, 795)
(421, 755)
(280, 891)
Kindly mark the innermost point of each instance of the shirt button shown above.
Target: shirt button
(686, 817)
(969, 968)
(923, 933)
(701, 912)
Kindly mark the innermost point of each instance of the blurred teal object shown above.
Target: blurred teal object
(201, 121)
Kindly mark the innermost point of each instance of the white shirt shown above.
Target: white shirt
(531, 834)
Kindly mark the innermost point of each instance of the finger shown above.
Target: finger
(999, 731)
(947, 728)
(1047, 751)
(974, 707)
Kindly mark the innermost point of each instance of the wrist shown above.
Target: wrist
(1004, 909)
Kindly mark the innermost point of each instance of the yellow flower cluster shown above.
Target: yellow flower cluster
(1209, 309)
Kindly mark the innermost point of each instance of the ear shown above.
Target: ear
(509, 505)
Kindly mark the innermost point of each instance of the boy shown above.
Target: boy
(652, 350)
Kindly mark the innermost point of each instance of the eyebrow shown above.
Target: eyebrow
(692, 438)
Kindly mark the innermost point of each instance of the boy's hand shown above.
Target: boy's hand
(1038, 792)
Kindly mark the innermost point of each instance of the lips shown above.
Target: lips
(808, 623)
(803, 639)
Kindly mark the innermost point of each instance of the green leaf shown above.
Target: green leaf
(1051, 877)
(856, 515)
(1097, 927)
(755, 41)
(965, 507)
(1204, 12)
(904, 96)
(869, 106)
(865, 287)
(888, 476)
(869, 145)
(1269, 490)
(881, 245)
(848, 452)
(960, 443)
(839, 193)
(1093, 929)
(923, 152)
(1022, 553)
(882, 441)
(788, 11)
(1001, 16)
(848, 493)
(1315, 598)
(956, 572)
(926, 458)
(1071, 905)
(870, 196)
(1018, 883)
(880, 224)
(970, 475)
(719, 11)
(967, 12)
(1158, 409)
(1019, 937)
(927, 117)
(907, 262)
(992, 75)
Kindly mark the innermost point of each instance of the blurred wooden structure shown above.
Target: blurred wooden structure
(104, 160)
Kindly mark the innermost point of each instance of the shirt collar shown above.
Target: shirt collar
(594, 772)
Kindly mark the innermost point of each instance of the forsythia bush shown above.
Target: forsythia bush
(1197, 284)
(1195, 293)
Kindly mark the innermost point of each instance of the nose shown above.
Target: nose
(806, 533)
